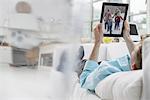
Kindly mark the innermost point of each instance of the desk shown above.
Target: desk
(5, 54)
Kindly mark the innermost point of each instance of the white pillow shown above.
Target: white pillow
(104, 88)
(121, 86)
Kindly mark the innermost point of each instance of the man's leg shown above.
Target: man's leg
(106, 23)
(110, 26)
(115, 25)
(118, 25)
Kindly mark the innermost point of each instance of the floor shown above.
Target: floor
(24, 83)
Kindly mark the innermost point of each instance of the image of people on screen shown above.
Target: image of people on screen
(113, 19)
(118, 18)
(108, 20)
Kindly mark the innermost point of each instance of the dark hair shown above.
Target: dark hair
(81, 53)
(82, 64)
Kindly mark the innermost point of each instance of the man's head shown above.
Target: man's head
(136, 57)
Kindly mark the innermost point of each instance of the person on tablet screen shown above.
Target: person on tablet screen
(118, 19)
(108, 20)
(94, 72)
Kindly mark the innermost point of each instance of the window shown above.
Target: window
(97, 6)
(140, 21)
(97, 9)
(137, 14)
(87, 19)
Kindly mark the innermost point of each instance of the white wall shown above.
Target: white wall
(47, 9)
(39, 8)
(57, 14)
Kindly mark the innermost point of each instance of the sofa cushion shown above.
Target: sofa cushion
(121, 86)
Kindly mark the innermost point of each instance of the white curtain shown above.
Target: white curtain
(148, 16)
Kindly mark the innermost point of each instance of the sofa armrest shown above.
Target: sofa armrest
(146, 68)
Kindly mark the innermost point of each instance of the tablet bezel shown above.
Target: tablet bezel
(114, 4)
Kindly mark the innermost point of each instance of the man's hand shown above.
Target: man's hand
(126, 30)
(98, 32)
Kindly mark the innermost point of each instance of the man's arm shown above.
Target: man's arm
(98, 40)
(127, 37)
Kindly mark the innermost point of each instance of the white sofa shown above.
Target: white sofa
(146, 69)
(119, 86)
(107, 51)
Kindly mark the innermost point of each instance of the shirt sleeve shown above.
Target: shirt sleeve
(88, 68)
(123, 63)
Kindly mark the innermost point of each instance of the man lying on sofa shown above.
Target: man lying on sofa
(93, 72)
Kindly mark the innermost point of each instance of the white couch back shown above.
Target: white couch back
(107, 51)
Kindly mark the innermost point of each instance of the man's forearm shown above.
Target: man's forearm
(98, 33)
(127, 38)
(129, 44)
(95, 52)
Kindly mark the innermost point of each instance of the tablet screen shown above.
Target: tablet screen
(133, 29)
(112, 18)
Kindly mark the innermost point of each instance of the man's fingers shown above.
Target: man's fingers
(100, 26)
(96, 28)
(126, 24)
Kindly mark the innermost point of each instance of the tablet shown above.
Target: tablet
(133, 29)
(112, 18)
(134, 32)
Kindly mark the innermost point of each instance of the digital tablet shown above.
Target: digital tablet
(133, 29)
(134, 32)
(112, 18)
